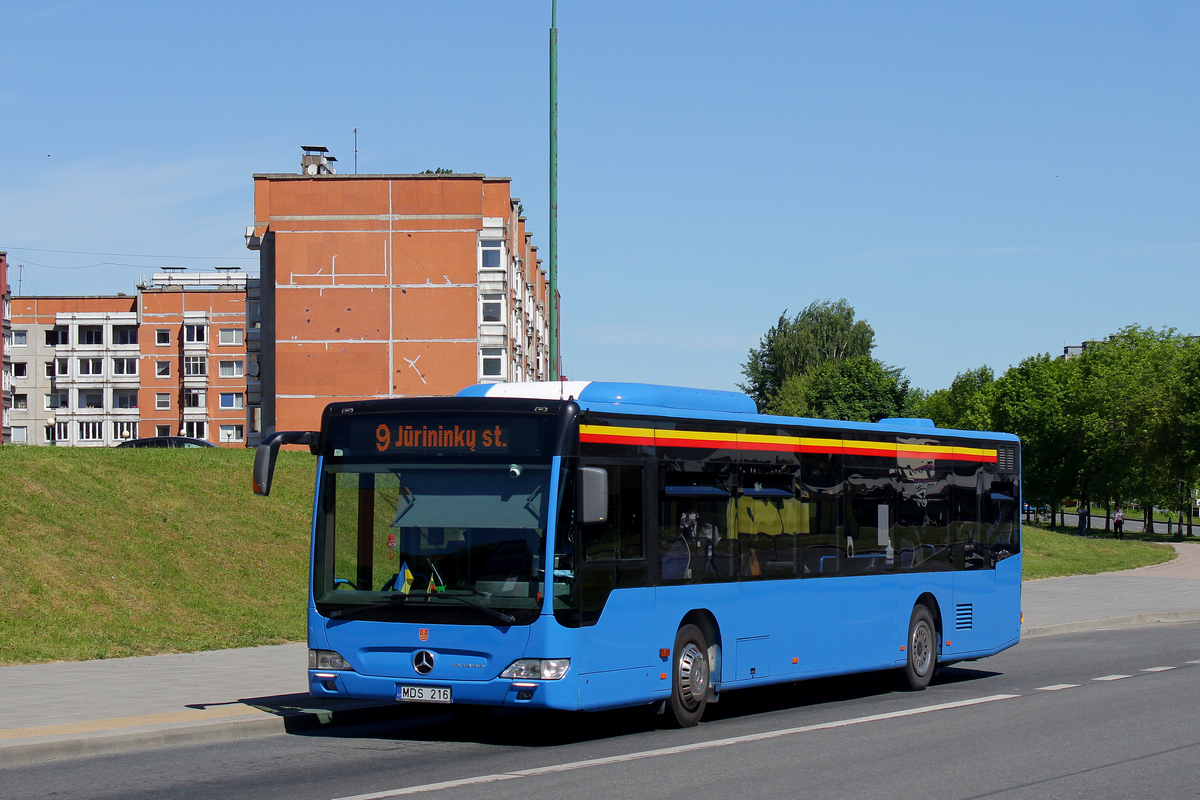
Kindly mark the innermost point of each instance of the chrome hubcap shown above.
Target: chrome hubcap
(921, 648)
(693, 675)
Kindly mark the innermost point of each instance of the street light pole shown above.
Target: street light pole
(553, 298)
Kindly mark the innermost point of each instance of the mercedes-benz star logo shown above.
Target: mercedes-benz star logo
(423, 662)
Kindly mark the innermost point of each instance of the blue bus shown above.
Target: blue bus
(586, 545)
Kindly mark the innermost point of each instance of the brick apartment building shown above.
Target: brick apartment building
(93, 371)
(388, 286)
(6, 377)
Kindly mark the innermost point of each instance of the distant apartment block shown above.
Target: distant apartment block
(94, 371)
(6, 339)
(388, 286)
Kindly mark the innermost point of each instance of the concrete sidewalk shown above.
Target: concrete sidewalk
(118, 705)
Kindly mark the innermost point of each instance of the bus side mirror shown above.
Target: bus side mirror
(593, 495)
(266, 453)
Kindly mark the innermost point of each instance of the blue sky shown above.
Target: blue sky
(982, 182)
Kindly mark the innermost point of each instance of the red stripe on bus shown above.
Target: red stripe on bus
(784, 447)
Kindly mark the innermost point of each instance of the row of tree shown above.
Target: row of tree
(1119, 424)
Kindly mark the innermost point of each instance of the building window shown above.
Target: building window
(125, 334)
(57, 337)
(492, 308)
(20, 369)
(125, 430)
(93, 334)
(125, 398)
(162, 336)
(233, 369)
(493, 362)
(56, 400)
(91, 366)
(20, 435)
(20, 338)
(162, 401)
(194, 366)
(253, 314)
(20, 402)
(193, 398)
(58, 432)
(232, 433)
(230, 336)
(231, 400)
(162, 430)
(193, 333)
(91, 431)
(125, 366)
(491, 253)
(162, 369)
(89, 398)
(194, 429)
(62, 366)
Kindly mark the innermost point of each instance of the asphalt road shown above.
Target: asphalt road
(1108, 714)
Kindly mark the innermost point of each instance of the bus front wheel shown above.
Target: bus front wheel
(922, 648)
(690, 679)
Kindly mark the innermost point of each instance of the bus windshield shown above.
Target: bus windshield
(431, 541)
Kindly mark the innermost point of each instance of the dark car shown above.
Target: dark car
(167, 441)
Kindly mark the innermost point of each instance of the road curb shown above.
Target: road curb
(36, 749)
(1108, 623)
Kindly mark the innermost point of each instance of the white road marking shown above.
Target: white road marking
(1057, 687)
(1197, 661)
(670, 751)
(1111, 677)
(1157, 669)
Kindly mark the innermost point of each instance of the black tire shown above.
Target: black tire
(922, 649)
(690, 676)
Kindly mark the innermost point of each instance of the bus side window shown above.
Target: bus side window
(620, 535)
(823, 547)
(697, 529)
(770, 520)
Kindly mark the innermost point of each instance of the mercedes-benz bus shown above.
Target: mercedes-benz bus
(586, 545)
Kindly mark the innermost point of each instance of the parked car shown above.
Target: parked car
(167, 441)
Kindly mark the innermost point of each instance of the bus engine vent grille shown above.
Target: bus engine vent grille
(1006, 459)
(964, 617)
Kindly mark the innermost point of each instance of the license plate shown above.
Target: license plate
(423, 694)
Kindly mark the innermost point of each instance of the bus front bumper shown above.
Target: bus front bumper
(559, 694)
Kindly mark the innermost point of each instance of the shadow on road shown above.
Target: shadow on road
(538, 728)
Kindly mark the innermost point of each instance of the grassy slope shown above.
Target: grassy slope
(1051, 554)
(109, 553)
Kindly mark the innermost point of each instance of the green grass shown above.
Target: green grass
(1054, 553)
(112, 552)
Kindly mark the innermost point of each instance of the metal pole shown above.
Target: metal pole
(552, 300)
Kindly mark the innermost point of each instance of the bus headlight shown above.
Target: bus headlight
(545, 669)
(327, 659)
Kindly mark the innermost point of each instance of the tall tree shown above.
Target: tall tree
(858, 388)
(966, 405)
(824, 331)
(1032, 400)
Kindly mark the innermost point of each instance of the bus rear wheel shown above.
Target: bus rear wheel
(690, 678)
(922, 650)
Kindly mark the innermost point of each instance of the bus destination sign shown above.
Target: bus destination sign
(444, 438)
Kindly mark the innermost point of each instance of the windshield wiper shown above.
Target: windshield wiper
(507, 619)
(393, 600)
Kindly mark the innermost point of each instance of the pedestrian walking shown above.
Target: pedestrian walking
(1119, 523)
